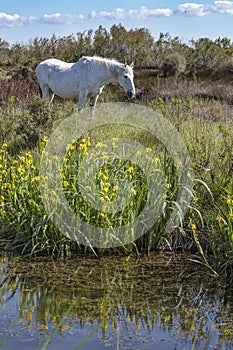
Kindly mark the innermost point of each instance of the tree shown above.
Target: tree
(102, 42)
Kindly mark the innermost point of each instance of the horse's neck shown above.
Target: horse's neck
(110, 73)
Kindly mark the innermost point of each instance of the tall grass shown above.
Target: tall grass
(204, 125)
(25, 225)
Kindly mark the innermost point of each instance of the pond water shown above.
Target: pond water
(161, 301)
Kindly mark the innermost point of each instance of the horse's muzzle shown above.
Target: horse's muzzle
(130, 94)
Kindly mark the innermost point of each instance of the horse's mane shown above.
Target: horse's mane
(110, 63)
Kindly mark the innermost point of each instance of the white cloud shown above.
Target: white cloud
(118, 13)
(144, 12)
(7, 20)
(185, 9)
(60, 18)
(193, 9)
(223, 6)
(141, 13)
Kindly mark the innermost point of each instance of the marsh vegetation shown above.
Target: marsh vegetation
(190, 84)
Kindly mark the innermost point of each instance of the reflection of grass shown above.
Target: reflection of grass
(162, 291)
(56, 328)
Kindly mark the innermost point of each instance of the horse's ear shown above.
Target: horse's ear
(125, 63)
(132, 65)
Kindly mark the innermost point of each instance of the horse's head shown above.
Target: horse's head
(125, 78)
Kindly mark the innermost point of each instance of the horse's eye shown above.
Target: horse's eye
(125, 76)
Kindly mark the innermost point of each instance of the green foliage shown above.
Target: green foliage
(135, 45)
(25, 225)
(197, 100)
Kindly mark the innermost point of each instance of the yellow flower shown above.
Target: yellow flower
(130, 170)
(218, 218)
(115, 188)
(102, 215)
(104, 198)
(229, 201)
(192, 225)
(148, 149)
(65, 183)
(195, 199)
(98, 144)
(22, 159)
(133, 191)
(102, 176)
(104, 155)
(28, 154)
(36, 178)
(230, 216)
(45, 139)
(70, 148)
(156, 160)
(106, 189)
(7, 185)
(4, 145)
(21, 170)
(168, 185)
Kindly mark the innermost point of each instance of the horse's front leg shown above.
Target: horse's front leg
(81, 100)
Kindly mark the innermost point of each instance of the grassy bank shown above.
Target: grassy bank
(203, 123)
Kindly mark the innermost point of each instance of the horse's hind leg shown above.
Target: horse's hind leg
(47, 93)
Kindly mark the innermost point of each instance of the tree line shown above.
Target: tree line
(166, 54)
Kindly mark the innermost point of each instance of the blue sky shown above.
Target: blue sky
(21, 20)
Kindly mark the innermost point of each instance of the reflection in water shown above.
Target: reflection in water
(155, 302)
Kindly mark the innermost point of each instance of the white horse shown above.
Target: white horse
(83, 79)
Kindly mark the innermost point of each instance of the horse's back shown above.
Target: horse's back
(53, 63)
